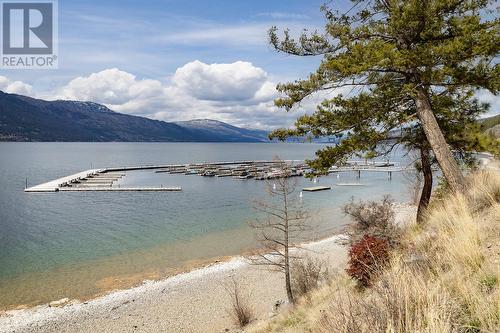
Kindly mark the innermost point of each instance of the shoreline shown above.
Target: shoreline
(177, 296)
(120, 278)
(22, 319)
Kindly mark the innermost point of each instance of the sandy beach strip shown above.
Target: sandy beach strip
(196, 301)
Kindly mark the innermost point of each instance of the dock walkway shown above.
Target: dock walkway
(120, 189)
(55, 185)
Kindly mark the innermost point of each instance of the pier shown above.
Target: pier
(105, 179)
(372, 166)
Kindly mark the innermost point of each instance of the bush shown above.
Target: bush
(240, 311)
(307, 274)
(366, 257)
(372, 218)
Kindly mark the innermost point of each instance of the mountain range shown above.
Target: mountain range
(24, 118)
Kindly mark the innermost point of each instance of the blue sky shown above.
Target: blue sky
(176, 60)
(152, 39)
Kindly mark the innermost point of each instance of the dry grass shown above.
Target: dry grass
(443, 278)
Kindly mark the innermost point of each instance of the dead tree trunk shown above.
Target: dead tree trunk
(437, 141)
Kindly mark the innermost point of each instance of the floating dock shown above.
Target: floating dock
(316, 188)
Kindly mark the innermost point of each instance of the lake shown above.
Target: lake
(80, 244)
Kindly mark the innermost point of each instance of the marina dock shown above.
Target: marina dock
(105, 179)
(94, 180)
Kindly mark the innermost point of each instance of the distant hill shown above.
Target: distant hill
(223, 132)
(491, 125)
(490, 122)
(494, 131)
(28, 119)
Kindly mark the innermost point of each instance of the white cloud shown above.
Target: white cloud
(245, 35)
(283, 15)
(238, 93)
(248, 35)
(237, 81)
(266, 92)
(110, 86)
(15, 87)
(494, 102)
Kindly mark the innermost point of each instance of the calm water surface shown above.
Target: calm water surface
(76, 245)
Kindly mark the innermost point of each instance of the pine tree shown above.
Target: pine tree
(395, 56)
(370, 124)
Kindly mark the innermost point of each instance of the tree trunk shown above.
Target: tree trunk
(425, 196)
(288, 282)
(438, 143)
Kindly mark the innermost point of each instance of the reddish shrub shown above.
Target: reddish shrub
(366, 256)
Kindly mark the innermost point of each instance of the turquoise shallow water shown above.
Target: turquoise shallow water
(57, 245)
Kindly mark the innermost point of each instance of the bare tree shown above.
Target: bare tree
(280, 225)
